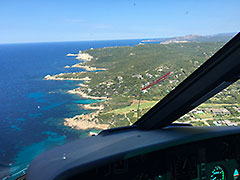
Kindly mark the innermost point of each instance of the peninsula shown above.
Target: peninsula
(124, 71)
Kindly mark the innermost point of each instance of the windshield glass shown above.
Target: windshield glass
(73, 68)
(223, 109)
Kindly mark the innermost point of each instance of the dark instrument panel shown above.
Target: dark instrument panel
(214, 159)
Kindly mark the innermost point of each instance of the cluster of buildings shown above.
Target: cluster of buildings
(215, 111)
(224, 123)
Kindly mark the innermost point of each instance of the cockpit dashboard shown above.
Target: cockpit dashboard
(181, 153)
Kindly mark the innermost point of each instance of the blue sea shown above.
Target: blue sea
(32, 110)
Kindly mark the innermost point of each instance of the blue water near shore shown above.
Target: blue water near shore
(32, 110)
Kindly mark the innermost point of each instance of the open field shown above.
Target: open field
(145, 105)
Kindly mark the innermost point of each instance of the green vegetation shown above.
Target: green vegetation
(131, 68)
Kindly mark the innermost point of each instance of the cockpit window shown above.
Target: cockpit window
(221, 110)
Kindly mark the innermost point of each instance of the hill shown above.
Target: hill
(222, 37)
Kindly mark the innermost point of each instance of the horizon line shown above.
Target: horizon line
(39, 42)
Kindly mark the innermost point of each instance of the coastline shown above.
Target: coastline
(85, 95)
(87, 68)
(82, 85)
(54, 77)
(83, 121)
(86, 121)
(90, 107)
(81, 56)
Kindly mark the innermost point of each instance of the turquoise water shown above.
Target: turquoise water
(24, 156)
(32, 110)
